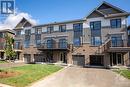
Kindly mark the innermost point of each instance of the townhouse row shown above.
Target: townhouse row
(99, 39)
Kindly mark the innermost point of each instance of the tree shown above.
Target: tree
(9, 50)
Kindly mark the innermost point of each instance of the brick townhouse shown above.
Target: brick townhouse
(99, 39)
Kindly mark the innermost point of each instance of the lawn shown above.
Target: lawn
(124, 72)
(24, 75)
(1, 61)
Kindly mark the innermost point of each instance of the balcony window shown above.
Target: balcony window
(117, 42)
(62, 43)
(62, 28)
(50, 29)
(115, 23)
(96, 41)
(96, 25)
(50, 43)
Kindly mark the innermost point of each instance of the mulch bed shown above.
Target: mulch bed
(6, 74)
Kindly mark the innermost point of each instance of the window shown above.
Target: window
(18, 32)
(78, 27)
(115, 23)
(38, 39)
(38, 31)
(50, 43)
(96, 25)
(117, 41)
(27, 32)
(128, 32)
(96, 41)
(50, 29)
(62, 28)
(26, 44)
(17, 45)
(77, 41)
(62, 43)
(1, 35)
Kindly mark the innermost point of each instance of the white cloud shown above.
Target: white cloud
(12, 20)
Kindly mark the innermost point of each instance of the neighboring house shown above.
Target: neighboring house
(3, 41)
(98, 39)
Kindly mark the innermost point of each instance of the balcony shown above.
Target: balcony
(54, 46)
(18, 48)
(115, 46)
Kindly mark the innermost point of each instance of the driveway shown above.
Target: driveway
(83, 77)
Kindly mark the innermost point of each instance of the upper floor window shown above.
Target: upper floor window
(96, 25)
(78, 27)
(50, 43)
(115, 23)
(62, 28)
(27, 32)
(38, 31)
(18, 32)
(50, 29)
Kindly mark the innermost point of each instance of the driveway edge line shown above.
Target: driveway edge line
(47, 76)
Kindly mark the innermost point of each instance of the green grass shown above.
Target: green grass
(29, 74)
(125, 73)
(2, 61)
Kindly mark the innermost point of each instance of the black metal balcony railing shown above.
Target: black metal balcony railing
(53, 46)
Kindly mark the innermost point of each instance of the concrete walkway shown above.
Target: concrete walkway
(83, 77)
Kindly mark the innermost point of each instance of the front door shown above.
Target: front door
(49, 57)
(63, 57)
(116, 59)
(119, 59)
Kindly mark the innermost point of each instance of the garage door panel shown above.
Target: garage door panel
(79, 60)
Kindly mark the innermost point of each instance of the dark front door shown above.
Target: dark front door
(116, 59)
(63, 57)
(49, 57)
(96, 60)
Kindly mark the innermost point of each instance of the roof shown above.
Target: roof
(123, 13)
(63, 22)
(22, 23)
(7, 30)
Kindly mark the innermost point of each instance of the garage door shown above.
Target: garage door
(96, 60)
(79, 60)
(27, 58)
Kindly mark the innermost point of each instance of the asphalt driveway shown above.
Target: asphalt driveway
(83, 77)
